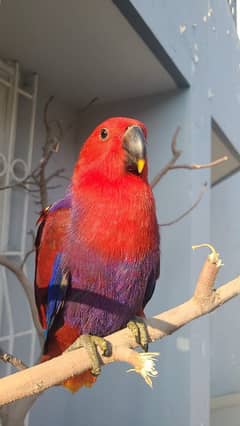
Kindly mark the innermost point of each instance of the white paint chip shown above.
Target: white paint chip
(210, 12)
(182, 28)
(183, 344)
(210, 93)
(196, 58)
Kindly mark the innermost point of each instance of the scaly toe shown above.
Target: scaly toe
(139, 330)
(90, 343)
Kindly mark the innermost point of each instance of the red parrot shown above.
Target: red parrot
(97, 258)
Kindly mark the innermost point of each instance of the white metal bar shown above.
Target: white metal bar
(25, 94)
(5, 82)
(33, 117)
(19, 91)
(20, 334)
(32, 349)
(1, 293)
(29, 159)
(7, 68)
(9, 316)
(11, 253)
(12, 136)
(14, 92)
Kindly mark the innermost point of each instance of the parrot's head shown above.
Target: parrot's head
(116, 148)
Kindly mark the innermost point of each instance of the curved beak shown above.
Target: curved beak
(134, 143)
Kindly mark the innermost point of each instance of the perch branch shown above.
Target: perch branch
(204, 300)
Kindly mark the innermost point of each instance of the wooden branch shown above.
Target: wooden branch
(205, 299)
(28, 289)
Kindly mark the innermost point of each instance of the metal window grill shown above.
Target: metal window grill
(18, 99)
(233, 9)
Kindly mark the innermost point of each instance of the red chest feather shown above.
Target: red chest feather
(118, 218)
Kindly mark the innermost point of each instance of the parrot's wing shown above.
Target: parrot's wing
(151, 284)
(57, 291)
(51, 282)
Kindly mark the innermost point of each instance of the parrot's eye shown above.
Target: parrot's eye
(104, 134)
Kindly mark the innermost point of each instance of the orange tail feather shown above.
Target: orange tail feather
(84, 379)
(59, 341)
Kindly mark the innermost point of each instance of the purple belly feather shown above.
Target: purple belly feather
(104, 296)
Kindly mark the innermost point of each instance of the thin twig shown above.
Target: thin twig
(171, 165)
(195, 204)
(11, 359)
(54, 187)
(27, 256)
(28, 289)
(56, 173)
(199, 166)
(45, 113)
(175, 155)
(81, 110)
(36, 177)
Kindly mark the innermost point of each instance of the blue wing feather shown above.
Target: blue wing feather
(57, 290)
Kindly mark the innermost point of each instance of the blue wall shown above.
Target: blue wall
(207, 53)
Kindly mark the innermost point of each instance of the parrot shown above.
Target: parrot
(98, 248)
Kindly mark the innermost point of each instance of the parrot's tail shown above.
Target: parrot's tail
(58, 342)
(75, 383)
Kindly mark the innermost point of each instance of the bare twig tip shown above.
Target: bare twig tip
(213, 257)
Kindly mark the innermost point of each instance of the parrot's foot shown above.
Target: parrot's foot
(90, 343)
(139, 330)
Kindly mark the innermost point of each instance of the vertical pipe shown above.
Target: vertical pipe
(12, 137)
(26, 203)
(29, 161)
(9, 316)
